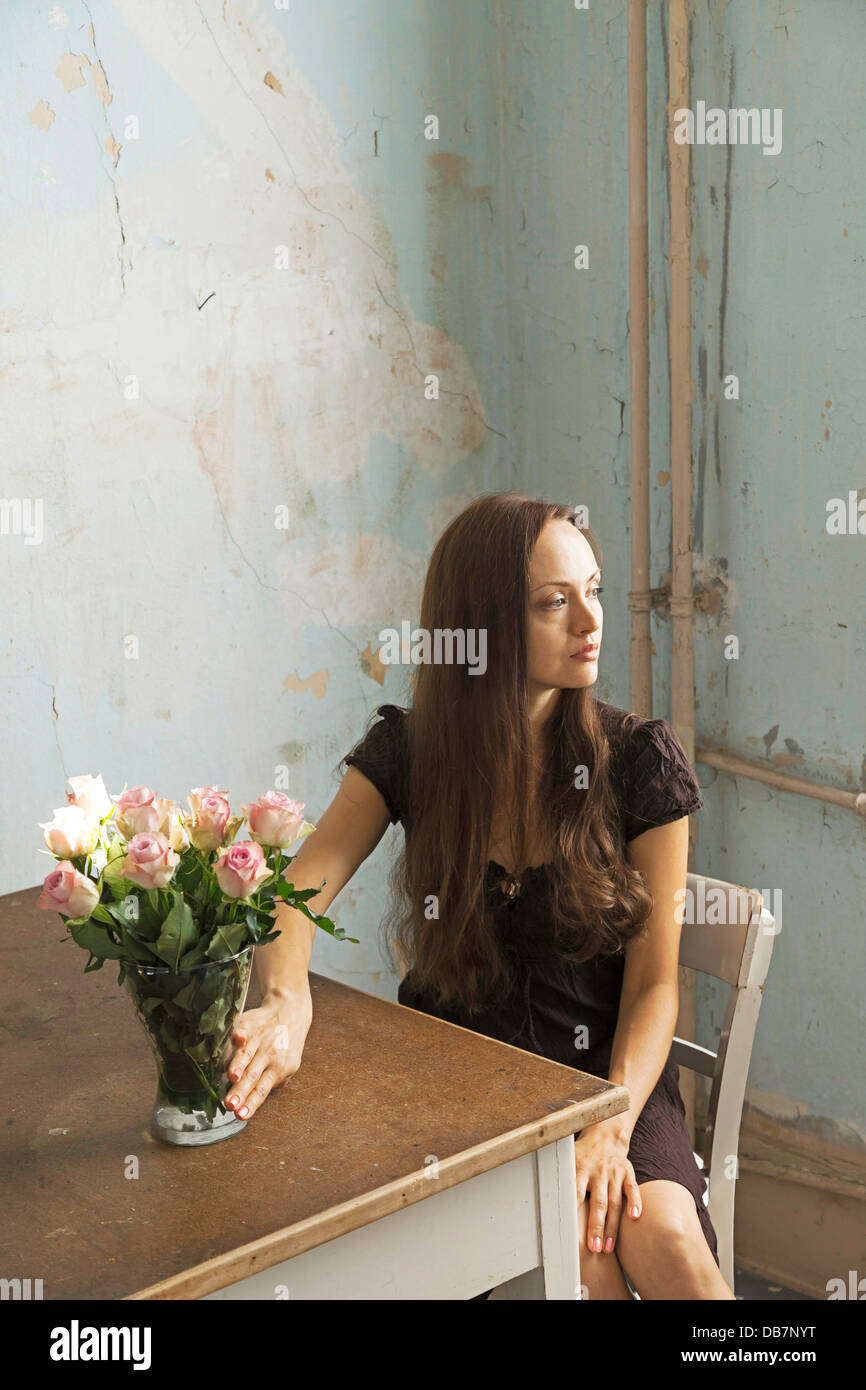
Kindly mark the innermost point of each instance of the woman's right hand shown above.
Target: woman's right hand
(270, 1042)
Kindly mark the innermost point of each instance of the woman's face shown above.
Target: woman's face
(564, 613)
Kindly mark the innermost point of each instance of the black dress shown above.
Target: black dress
(559, 1009)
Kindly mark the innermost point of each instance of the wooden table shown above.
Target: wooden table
(407, 1159)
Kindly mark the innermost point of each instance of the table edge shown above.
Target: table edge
(233, 1265)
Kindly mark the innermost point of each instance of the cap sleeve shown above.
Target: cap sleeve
(380, 755)
(657, 780)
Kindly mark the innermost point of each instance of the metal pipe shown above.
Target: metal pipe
(639, 598)
(799, 786)
(682, 392)
(681, 395)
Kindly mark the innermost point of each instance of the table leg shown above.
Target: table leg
(558, 1274)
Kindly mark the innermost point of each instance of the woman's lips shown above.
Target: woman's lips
(588, 654)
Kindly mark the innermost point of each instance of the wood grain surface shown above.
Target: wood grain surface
(380, 1089)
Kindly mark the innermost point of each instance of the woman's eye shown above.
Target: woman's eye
(555, 602)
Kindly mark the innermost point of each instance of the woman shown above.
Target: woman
(546, 836)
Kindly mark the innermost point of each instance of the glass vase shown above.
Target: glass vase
(189, 1016)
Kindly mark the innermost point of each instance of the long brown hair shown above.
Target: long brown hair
(469, 736)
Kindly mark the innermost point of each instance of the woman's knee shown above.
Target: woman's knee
(665, 1251)
(668, 1219)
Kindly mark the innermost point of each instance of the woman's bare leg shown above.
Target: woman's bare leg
(665, 1251)
(601, 1274)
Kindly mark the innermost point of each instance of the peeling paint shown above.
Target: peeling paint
(372, 664)
(100, 84)
(317, 682)
(42, 115)
(70, 70)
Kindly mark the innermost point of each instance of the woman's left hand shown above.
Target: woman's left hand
(602, 1168)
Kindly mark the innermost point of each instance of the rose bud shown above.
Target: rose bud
(137, 812)
(171, 824)
(275, 820)
(89, 793)
(209, 820)
(66, 890)
(72, 832)
(149, 861)
(241, 869)
(198, 794)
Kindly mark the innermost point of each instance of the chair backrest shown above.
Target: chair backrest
(729, 934)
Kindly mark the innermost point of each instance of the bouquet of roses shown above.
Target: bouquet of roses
(140, 880)
(171, 898)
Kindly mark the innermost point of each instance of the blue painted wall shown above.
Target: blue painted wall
(166, 388)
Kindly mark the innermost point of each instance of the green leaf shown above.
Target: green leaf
(195, 955)
(142, 951)
(95, 939)
(116, 849)
(102, 914)
(179, 932)
(227, 941)
(184, 997)
(148, 1006)
(258, 922)
(325, 923)
(125, 924)
(298, 895)
(118, 886)
(213, 1019)
(124, 912)
(298, 898)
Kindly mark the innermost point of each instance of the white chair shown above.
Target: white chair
(734, 945)
(729, 934)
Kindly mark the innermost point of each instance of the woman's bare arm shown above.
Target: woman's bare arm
(271, 1038)
(644, 1032)
(345, 835)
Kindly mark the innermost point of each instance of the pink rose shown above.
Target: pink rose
(66, 890)
(275, 820)
(137, 811)
(241, 869)
(171, 823)
(210, 816)
(72, 832)
(198, 793)
(149, 861)
(89, 793)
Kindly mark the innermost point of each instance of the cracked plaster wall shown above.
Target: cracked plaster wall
(153, 258)
(779, 298)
